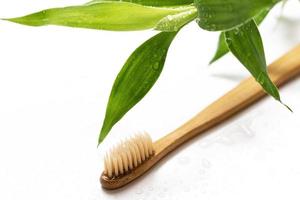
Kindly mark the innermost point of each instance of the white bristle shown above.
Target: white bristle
(128, 155)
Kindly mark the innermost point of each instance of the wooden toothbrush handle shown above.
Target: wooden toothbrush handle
(246, 93)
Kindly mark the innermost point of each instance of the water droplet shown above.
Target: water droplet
(150, 188)
(139, 191)
(155, 66)
(184, 160)
(155, 55)
(236, 31)
(230, 7)
(261, 78)
(186, 189)
(228, 41)
(224, 140)
(201, 172)
(161, 194)
(248, 132)
(206, 163)
(169, 17)
(213, 27)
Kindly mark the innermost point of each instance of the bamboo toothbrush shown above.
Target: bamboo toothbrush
(135, 156)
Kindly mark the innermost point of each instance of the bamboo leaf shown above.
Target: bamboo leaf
(117, 16)
(175, 22)
(222, 48)
(136, 78)
(246, 45)
(157, 3)
(219, 15)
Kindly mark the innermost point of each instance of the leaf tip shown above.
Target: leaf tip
(8, 19)
(14, 20)
(106, 127)
(35, 19)
(102, 136)
(288, 107)
(212, 61)
(99, 142)
(100, 139)
(285, 105)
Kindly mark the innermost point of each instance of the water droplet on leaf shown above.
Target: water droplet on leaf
(155, 66)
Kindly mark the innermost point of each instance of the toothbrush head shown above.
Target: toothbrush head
(123, 160)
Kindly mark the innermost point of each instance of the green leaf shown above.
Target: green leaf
(246, 44)
(222, 48)
(175, 22)
(218, 15)
(117, 16)
(136, 78)
(259, 18)
(157, 3)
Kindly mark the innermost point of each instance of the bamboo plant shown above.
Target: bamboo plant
(236, 20)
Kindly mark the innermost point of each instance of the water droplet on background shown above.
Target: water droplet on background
(150, 188)
(206, 163)
(139, 191)
(201, 172)
(184, 160)
(186, 188)
(247, 131)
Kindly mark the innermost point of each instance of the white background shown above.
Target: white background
(54, 86)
